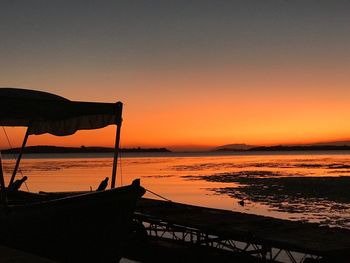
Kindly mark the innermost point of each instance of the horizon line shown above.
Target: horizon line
(191, 147)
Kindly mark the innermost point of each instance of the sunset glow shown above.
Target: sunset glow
(189, 74)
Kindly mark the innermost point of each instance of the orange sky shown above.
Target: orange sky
(188, 73)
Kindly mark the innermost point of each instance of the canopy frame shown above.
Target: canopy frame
(43, 112)
(2, 185)
(116, 153)
(19, 158)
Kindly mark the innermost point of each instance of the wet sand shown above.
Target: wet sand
(325, 199)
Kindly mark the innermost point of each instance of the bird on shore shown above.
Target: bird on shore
(103, 185)
(241, 202)
(16, 185)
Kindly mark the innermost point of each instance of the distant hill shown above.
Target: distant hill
(234, 147)
(82, 149)
(336, 143)
(301, 148)
(321, 146)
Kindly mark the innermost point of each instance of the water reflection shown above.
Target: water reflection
(298, 187)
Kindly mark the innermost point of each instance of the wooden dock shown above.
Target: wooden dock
(266, 238)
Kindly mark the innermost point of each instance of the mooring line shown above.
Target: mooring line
(166, 199)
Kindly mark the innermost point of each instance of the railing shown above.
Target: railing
(249, 246)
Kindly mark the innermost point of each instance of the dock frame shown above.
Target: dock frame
(264, 238)
(159, 228)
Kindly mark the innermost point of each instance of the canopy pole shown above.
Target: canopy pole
(2, 185)
(116, 152)
(117, 140)
(19, 157)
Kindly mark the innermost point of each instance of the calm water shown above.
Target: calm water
(298, 186)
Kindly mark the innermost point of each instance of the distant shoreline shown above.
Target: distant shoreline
(59, 149)
(46, 149)
(283, 148)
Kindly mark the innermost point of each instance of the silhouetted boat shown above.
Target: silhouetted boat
(69, 227)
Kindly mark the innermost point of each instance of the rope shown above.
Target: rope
(166, 199)
(13, 155)
(121, 175)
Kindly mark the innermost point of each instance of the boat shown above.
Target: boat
(88, 226)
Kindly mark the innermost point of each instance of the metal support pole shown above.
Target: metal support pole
(19, 157)
(2, 184)
(116, 146)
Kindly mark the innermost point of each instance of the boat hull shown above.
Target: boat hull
(91, 227)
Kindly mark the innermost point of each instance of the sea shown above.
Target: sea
(302, 186)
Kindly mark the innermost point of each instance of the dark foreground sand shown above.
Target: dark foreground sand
(10, 255)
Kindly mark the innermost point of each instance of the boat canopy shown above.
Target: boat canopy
(43, 112)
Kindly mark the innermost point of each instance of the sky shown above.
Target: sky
(191, 74)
